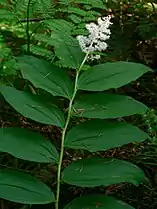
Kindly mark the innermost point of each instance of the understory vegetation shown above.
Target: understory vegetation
(78, 104)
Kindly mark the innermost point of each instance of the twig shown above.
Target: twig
(37, 19)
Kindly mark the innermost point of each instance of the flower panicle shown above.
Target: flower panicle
(98, 34)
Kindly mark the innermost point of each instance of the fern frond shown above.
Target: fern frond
(6, 15)
(93, 3)
(40, 51)
(60, 25)
(74, 10)
(8, 64)
(45, 8)
(65, 46)
(75, 19)
(65, 2)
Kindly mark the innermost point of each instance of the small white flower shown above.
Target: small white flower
(98, 34)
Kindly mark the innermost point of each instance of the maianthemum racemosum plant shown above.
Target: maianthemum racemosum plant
(103, 128)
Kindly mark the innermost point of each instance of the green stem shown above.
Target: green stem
(66, 127)
(27, 27)
(62, 142)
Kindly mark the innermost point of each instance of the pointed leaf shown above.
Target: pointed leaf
(103, 105)
(92, 172)
(33, 106)
(27, 145)
(46, 76)
(22, 188)
(99, 135)
(97, 201)
(110, 75)
(66, 47)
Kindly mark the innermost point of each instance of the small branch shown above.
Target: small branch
(38, 19)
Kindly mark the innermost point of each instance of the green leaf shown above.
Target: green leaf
(59, 25)
(97, 201)
(100, 135)
(22, 188)
(27, 145)
(33, 106)
(46, 76)
(92, 172)
(111, 75)
(68, 51)
(66, 47)
(103, 105)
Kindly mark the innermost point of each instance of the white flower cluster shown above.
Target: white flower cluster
(98, 34)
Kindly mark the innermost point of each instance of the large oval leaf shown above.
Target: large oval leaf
(104, 106)
(110, 75)
(33, 106)
(27, 145)
(22, 188)
(46, 76)
(97, 201)
(99, 135)
(92, 172)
